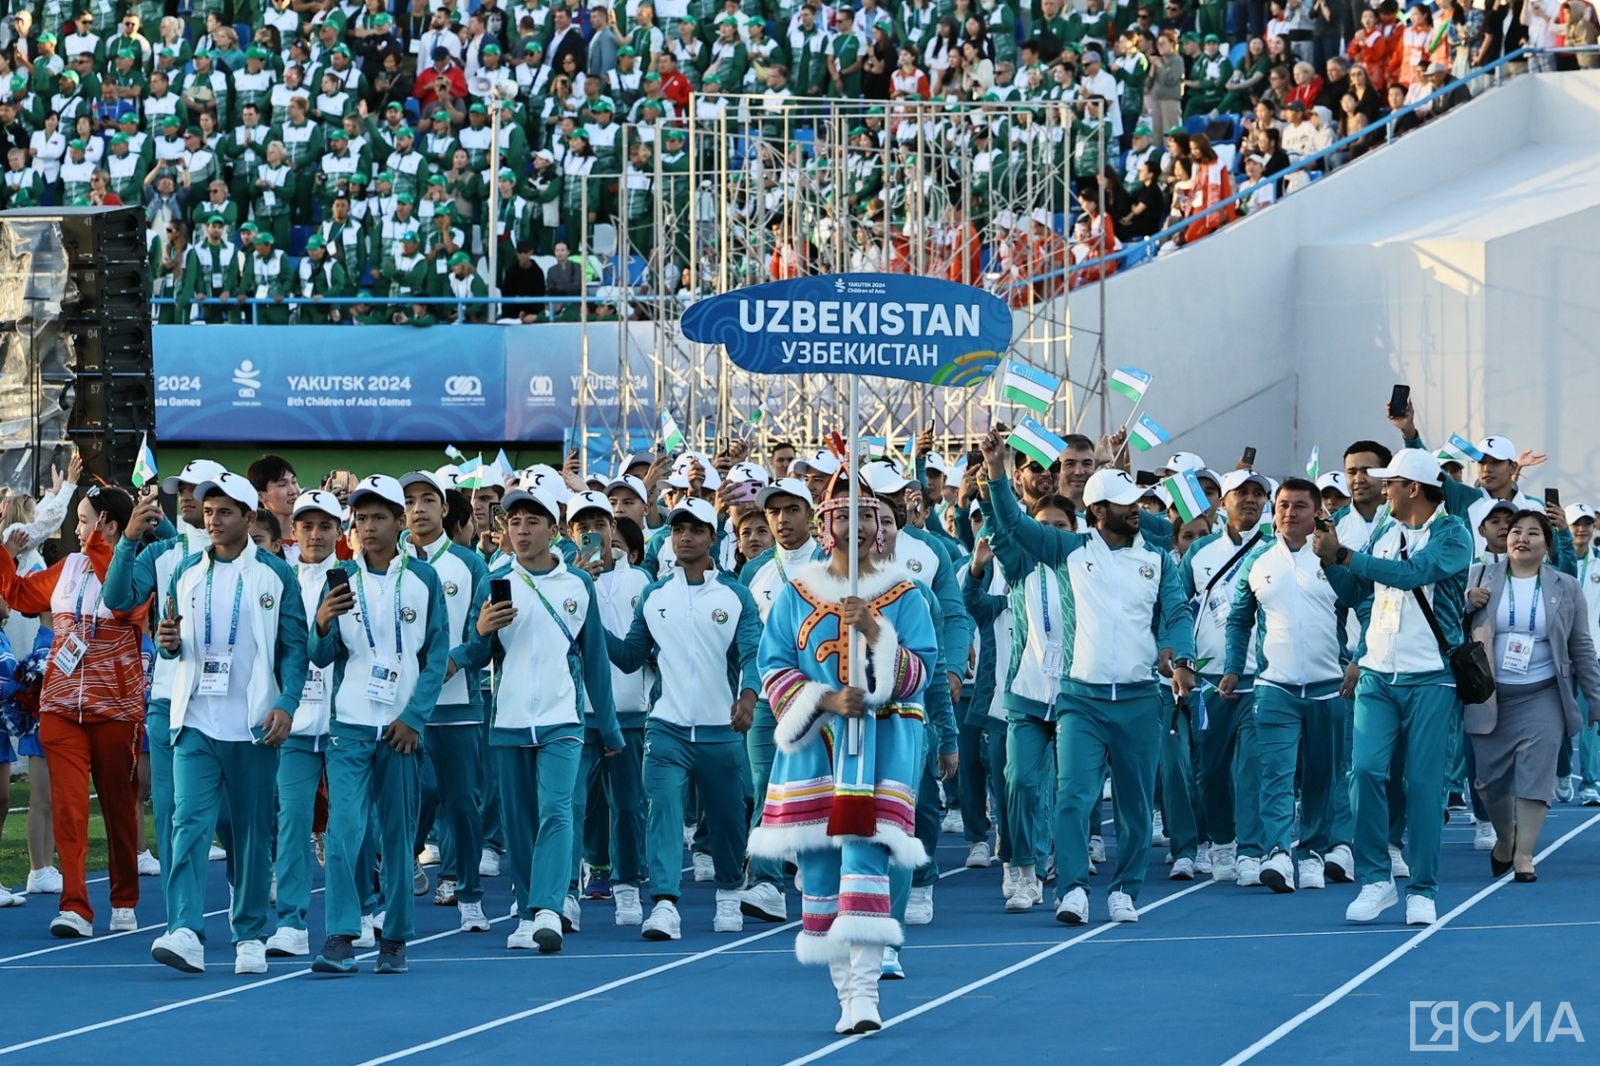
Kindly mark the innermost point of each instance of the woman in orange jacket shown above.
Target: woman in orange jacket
(91, 710)
(1370, 47)
(1212, 185)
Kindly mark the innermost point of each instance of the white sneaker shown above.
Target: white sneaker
(1008, 880)
(1121, 907)
(919, 906)
(521, 938)
(181, 950)
(1340, 865)
(46, 881)
(1371, 902)
(1105, 790)
(1158, 832)
(629, 911)
(761, 901)
(952, 822)
(704, 869)
(444, 893)
(891, 969)
(287, 943)
(1589, 796)
(1484, 838)
(489, 863)
(729, 918)
(377, 924)
(1564, 790)
(272, 891)
(547, 932)
(9, 898)
(123, 920)
(369, 936)
(216, 854)
(429, 855)
(473, 919)
(1073, 908)
(1311, 873)
(1397, 863)
(1223, 865)
(419, 880)
(663, 923)
(1276, 872)
(1202, 860)
(1247, 871)
(1182, 870)
(69, 925)
(571, 915)
(149, 865)
(249, 956)
(1419, 910)
(978, 856)
(688, 836)
(1027, 893)
(1097, 848)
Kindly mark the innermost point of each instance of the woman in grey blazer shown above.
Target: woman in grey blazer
(1530, 619)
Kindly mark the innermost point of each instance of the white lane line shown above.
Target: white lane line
(998, 975)
(1338, 994)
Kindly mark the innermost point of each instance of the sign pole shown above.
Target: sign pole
(857, 670)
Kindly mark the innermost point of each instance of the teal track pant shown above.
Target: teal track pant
(493, 831)
(671, 762)
(452, 803)
(972, 782)
(1294, 730)
(619, 782)
(1029, 770)
(369, 779)
(1230, 782)
(1415, 719)
(204, 769)
(761, 747)
(1092, 734)
(994, 752)
(536, 788)
(157, 724)
(1180, 798)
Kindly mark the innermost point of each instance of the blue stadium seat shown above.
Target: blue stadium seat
(985, 254)
(297, 240)
(1236, 53)
(413, 111)
(806, 137)
(638, 270)
(1196, 124)
(1060, 221)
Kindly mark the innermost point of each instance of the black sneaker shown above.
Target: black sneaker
(338, 956)
(391, 956)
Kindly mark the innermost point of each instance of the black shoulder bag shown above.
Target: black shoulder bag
(1468, 661)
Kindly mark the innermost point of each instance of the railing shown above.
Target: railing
(1144, 247)
(254, 303)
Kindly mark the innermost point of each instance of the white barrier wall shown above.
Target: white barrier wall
(1460, 261)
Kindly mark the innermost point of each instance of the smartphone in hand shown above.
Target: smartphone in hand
(499, 590)
(1399, 399)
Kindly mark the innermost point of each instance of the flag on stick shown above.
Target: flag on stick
(1146, 434)
(1187, 496)
(671, 435)
(1033, 389)
(1314, 464)
(1466, 447)
(1130, 381)
(1037, 443)
(144, 467)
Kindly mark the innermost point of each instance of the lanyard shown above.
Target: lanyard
(1511, 598)
(572, 644)
(366, 617)
(94, 621)
(238, 598)
(1044, 599)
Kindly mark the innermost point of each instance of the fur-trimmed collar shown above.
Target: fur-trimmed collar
(815, 576)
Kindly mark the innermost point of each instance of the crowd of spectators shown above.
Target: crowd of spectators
(313, 149)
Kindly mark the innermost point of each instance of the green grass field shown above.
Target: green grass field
(14, 840)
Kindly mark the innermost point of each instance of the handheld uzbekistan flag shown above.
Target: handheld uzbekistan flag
(1033, 389)
(144, 467)
(1187, 496)
(454, 454)
(470, 474)
(1146, 434)
(1466, 447)
(671, 435)
(1314, 464)
(502, 463)
(1037, 443)
(1130, 381)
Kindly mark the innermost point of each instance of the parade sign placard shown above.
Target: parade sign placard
(885, 325)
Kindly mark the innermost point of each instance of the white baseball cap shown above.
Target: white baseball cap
(543, 499)
(632, 484)
(1412, 464)
(1498, 448)
(697, 509)
(883, 478)
(194, 472)
(318, 500)
(741, 472)
(425, 479)
(233, 486)
(544, 478)
(1576, 512)
(822, 461)
(1112, 486)
(382, 486)
(1334, 481)
(1238, 479)
(785, 486)
(588, 501)
(1484, 506)
(1178, 462)
(680, 472)
(936, 463)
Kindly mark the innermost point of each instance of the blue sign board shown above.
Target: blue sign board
(884, 325)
